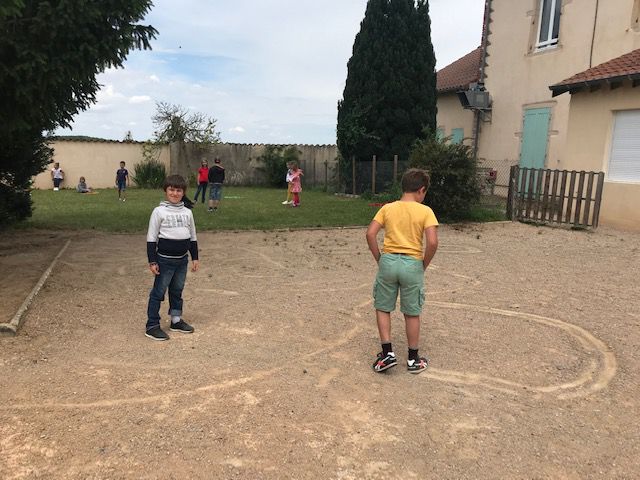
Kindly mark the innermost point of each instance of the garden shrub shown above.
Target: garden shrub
(454, 187)
(149, 173)
(275, 160)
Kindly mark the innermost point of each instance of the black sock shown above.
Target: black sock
(386, 348)
(413, 354)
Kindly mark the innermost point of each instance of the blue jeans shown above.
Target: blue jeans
(215, 191)
(173, 272)
(202, 188)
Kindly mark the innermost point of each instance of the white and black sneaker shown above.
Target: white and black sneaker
(156, 333)
(417, 366)
(383, 362)
(181, 326)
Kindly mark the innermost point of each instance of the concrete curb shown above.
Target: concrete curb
(11, 328)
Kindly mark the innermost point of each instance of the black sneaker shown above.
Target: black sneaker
(417, 366)
(181, 326)
(384, 362)
(156, 333)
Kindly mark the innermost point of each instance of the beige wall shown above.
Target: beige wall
(518, 77)
(451, 115)
(588, 147)
(96, 161)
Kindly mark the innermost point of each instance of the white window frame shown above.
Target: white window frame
(626, 171)
(550, 41)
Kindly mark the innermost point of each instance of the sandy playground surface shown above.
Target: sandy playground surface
(533, 335)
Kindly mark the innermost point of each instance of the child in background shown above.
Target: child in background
(57, 175)
(203, 181)
(288, 180)
(401, 266)
(170, 239)
(216, 179)
(82, 186)
(296, 183)
(122, 181)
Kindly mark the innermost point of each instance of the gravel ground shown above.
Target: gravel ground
(532, 334)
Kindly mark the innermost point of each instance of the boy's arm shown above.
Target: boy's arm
(128, 182)
(193, 246)
(152, 242)
(372, 239)
(431, 237)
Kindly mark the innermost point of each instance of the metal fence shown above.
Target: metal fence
(375, 175)
(379, 174)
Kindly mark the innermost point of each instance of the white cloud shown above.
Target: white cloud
(140, 99)
(277, 69)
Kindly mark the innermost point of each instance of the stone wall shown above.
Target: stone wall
(98, 161)
(242, 161)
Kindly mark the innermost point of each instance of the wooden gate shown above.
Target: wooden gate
(555, 196)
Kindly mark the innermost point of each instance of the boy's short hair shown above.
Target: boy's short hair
(175, 181)
(122, 163)
(216, 160)
(414, 179)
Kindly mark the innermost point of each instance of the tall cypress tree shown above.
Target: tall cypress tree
(390, 92)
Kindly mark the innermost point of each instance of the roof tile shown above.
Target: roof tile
(459, 74)
(628, 64)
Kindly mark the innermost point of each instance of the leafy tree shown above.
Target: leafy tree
(454, 186)
(50, 54)
(275, 159)
(175, 123)
(390, 91)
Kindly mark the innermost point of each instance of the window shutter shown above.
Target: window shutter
(624, 163)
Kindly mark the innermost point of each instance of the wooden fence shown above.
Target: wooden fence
(555, 196)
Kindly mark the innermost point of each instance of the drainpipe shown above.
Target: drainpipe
(593, 35)
(483, 61)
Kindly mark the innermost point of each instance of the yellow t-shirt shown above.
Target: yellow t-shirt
(404, 224)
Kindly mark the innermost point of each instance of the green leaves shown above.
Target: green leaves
(174, 123)
(389, 95)
(50, 54)
(454, 187)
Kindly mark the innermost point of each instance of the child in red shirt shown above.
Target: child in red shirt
(203, 180)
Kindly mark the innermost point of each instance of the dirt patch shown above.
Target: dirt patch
(23, 258)
(532, 333)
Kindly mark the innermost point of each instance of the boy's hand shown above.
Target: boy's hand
(155, 269)
(195, 266)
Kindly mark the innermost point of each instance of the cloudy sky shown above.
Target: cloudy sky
(269, 71)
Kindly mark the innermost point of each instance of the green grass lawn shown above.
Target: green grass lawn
(241, 208)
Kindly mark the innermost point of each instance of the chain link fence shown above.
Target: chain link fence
(493, 177)
(369, 176)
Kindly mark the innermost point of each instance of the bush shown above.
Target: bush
(391, 195)
(149, 174)
(24, 155)
(454, 188)
(275, 161)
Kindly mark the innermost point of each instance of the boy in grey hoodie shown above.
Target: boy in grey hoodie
(170, 239)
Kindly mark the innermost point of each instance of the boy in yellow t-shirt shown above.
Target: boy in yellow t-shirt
(401, 265)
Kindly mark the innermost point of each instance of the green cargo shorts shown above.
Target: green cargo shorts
(399, 272)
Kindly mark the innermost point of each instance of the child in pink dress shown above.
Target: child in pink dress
(296, 184)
